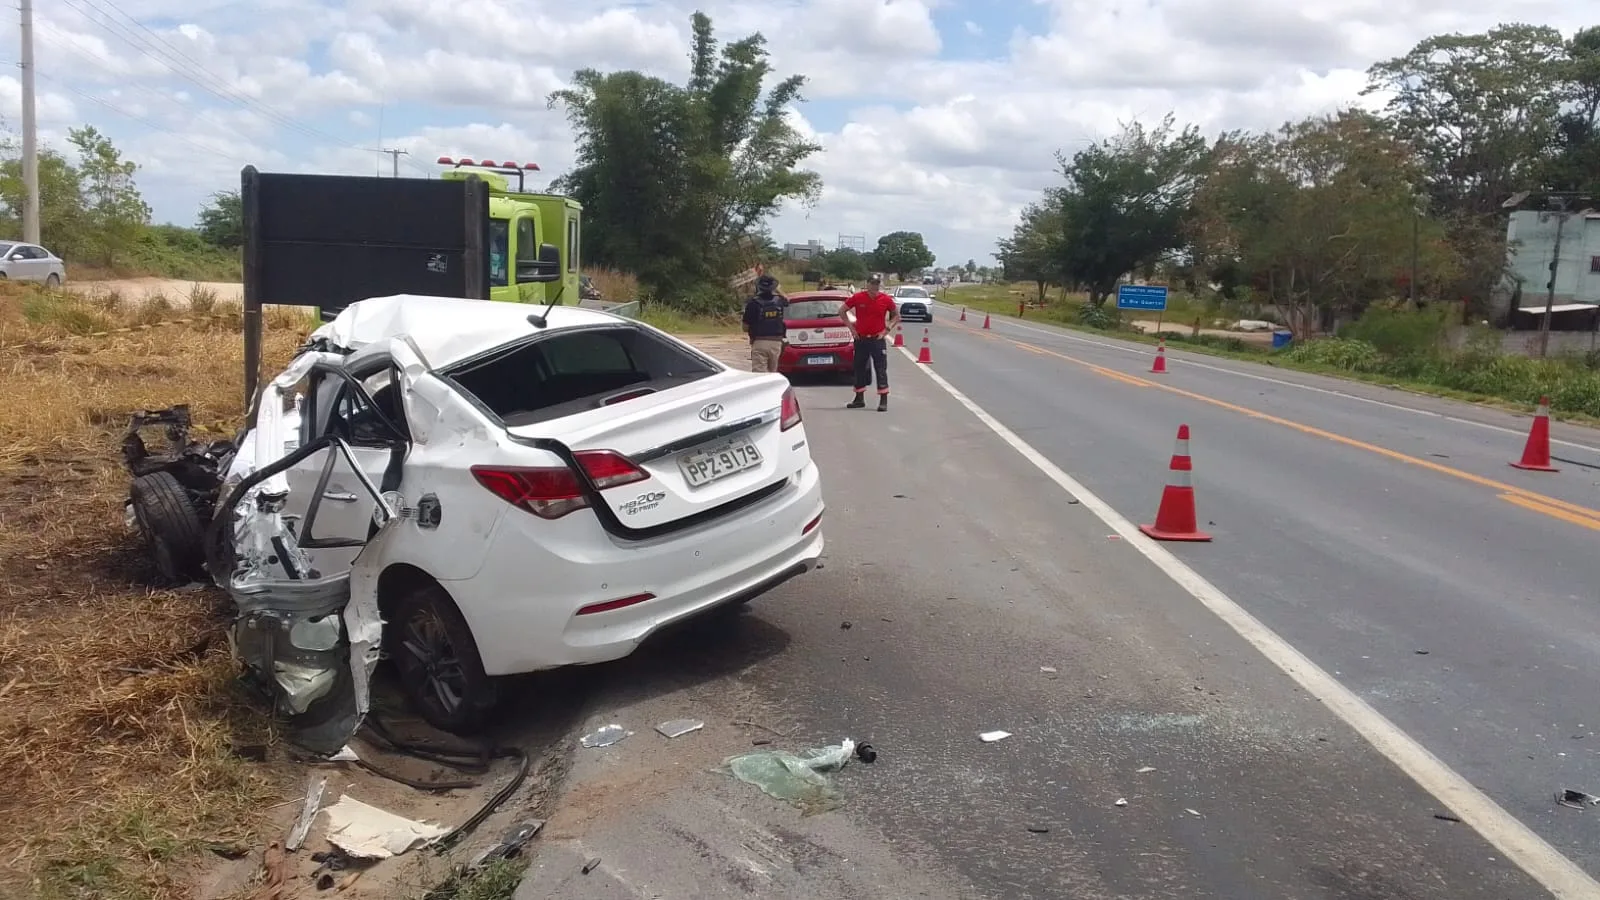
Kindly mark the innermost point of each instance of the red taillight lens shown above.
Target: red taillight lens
(791, 411)
(551, 492)
(609, 469)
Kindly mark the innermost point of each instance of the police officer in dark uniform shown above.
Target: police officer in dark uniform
(764, 323)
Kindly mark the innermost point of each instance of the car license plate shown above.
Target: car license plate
(703, 466)
(819, 360)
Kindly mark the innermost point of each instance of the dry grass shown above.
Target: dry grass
(614, 286)
(119, 717)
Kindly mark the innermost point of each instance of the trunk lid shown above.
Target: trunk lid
(686, 438)
(828, 332)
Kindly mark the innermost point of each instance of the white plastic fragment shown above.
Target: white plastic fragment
(368, 832)
(1192, 812)
(1146, 769)
(605, 736)
(989, 737)
(308, 812)
(679, 727)
(1121, 801)
(1048, 670)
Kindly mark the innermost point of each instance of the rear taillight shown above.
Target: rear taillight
(551, 492)
(791, 411)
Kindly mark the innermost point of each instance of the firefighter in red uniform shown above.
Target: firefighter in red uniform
(874, 314)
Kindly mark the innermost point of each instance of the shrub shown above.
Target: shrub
(1098, 317)
(1338, 353)
(1399, 331)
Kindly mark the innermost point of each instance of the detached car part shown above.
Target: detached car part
(174, 492)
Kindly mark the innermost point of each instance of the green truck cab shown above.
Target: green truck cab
(533, 238)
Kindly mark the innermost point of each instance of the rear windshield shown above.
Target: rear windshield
(812, 309)
(567, 373)
(914, 293)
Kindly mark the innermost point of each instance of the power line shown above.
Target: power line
(176, 62)
(100, 101)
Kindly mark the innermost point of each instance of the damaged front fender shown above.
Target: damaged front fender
(307, 639)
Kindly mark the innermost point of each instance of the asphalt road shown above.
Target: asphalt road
(979, 595)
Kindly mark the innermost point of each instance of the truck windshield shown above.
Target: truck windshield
(499, 231)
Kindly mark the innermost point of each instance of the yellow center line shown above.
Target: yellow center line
(1587, 521)
(1560, 509)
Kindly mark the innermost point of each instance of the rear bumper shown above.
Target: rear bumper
(796, 359)
(917, 313)
(523, 606)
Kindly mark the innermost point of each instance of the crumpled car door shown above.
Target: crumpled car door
(304, 636)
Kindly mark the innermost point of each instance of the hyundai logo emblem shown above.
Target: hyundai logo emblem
(711, 412)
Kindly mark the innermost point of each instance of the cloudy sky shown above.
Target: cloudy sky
(938, 116)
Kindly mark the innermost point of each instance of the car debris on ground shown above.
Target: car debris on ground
(799, 779)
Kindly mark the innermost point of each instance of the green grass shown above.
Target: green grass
(675, 322)
(1489, 379)
(496, 881)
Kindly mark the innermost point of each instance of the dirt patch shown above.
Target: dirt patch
(173, 290)
(729, 349)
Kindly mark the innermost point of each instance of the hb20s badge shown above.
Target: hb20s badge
(646, 501)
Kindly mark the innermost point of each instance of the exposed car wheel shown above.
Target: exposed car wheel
(170, 524)
(438, 662)
(53, 282)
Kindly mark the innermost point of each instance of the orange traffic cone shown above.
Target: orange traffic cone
(1536, 454)
(963, 314)
(923, 355)
(985, 320)
(1175, 518)
(1160, 367)
(899, 339)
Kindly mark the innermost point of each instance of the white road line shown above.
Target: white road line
(1292, 384)
(1558, 874)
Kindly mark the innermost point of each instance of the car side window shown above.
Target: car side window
(356, 415)
(527, 241)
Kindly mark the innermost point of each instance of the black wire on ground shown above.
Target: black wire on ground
(479, 764)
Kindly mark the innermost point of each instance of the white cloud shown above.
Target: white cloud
(917, 134)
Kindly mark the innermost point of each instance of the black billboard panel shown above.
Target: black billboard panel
(330, 240)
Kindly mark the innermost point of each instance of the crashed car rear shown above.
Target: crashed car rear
(472, 492)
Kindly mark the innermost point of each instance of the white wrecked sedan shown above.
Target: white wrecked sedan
(480, 491)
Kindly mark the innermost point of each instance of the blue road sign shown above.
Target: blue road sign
(1142, 296)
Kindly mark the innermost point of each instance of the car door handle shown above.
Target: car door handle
(340, 496)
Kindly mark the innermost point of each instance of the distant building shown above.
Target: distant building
(808, 250)
(1530, 244)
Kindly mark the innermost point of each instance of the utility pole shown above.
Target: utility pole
(394, 155)
(1560, 203)
(30, 132)
(1416, 240)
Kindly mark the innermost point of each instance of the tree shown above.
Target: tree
(673, 178)
(221, 221)
(1480, 109)
(1318, 218)
(901, 252)
(1033, 252)
(1576, 164)
(115, 211)
(60, 199)
(1125, 203)
(843, 264)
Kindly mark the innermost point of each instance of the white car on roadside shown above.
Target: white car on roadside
(480, 489)
(31, 262)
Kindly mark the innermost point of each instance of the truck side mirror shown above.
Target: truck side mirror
(544, 270)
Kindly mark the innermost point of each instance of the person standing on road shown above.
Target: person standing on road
(874, 314)
(764, 323)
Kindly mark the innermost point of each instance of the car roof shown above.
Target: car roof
(448, 329)
(818, 295)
